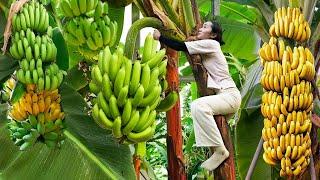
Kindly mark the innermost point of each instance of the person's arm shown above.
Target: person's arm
(176, 45)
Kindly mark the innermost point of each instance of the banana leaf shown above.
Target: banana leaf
(89, 152)
(117, 14)
(249, 126)
(240, 39)
(7, 67)
(62, 50)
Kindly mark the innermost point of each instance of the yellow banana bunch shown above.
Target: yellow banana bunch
(47, 102)
(287, 100)
(290, 23)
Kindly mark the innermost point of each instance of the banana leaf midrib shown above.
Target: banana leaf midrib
(90, 155)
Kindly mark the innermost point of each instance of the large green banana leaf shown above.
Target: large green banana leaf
(240, 39)
(89, 152)
(249, 126)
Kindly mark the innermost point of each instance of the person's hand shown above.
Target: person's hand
(156, 34)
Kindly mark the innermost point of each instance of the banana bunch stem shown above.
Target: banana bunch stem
(135, 29)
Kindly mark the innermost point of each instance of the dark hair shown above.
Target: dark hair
(216, 29)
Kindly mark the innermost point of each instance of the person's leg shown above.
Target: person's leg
(206, 130)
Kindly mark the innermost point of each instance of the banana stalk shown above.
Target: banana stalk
(294, 3)
(135, 29)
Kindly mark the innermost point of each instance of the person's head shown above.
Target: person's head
(211, 30)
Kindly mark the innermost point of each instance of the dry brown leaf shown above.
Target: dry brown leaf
(14, 8)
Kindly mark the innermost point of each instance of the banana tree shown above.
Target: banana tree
(251, 102)
(91, 151)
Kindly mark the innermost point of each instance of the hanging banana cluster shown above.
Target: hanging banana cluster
(290, 23)
(88, 26)
(287, 100)
(128, 93)
(37, 116)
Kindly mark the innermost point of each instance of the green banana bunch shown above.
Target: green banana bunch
(128, 93)
(27, 45)
(73, 8)
(91, 29)
(26, 133)
(32, 15)
(91, 34)
(37, 116)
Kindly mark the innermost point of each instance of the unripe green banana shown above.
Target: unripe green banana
(106, 59)
(91, 44)
(31, 14)
(75, 8)
(147, 48)
(163, 67)
(151, 97)
(35, 76)
(141, 136)
(23, 22)
(104, 120)
(14, 51)
(36, 51)
(26, 15)
(29, 55)
(17, 23)
(116, 128)
(32, 65)
(54, 83)
(153, 80)
(156, 59)
(122, 97)
(43, 52)
(104, 105)
(116, 64)
(168, 102)
(145, 76)
(118, 84)
(106, 34)
(113, 32)
(132, 122)
(135, 78)
(65, 6)
(83, 6)
(24, 64)
(94, 87)
(98, 39)
(128, 69)
(40, 85)
(98, 10)
(47, 82)
(138, 97)
(20, 49)
(151, 119)
(126, 114)
(106, 86)
(28, 77)
(114, 107)
(96, 75)
(143, 119)
(21, 76)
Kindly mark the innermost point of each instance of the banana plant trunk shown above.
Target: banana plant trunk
(176, 168)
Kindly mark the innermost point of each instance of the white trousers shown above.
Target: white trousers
(225, 102)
